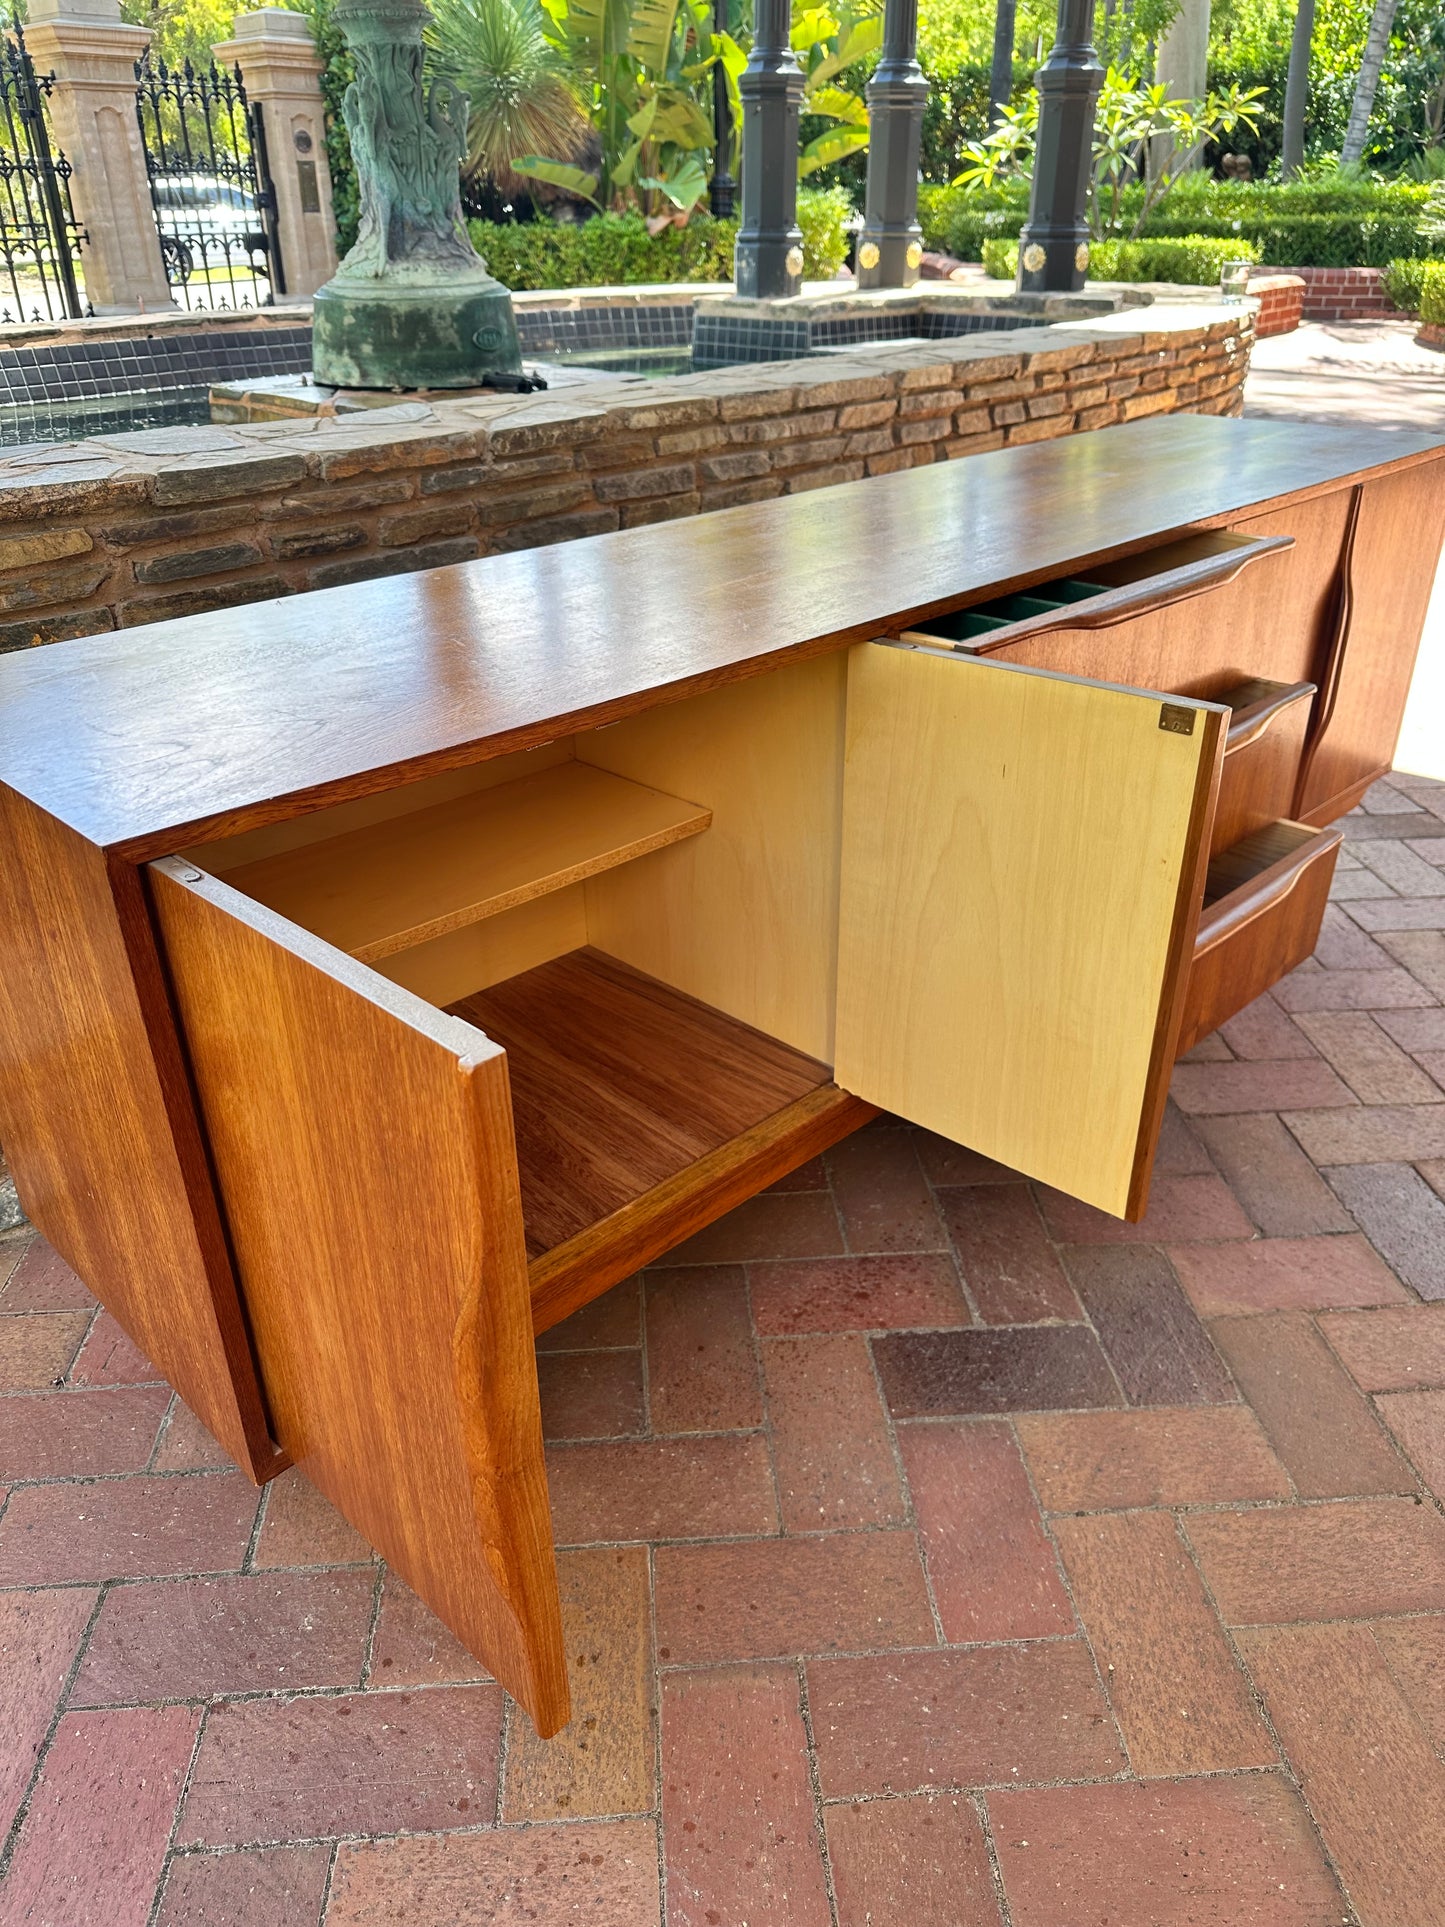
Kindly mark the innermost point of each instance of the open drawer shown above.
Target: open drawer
(1264, 901)
(1101, 596)
(1023, 866)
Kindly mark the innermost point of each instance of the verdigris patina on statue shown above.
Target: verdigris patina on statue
(412, 305)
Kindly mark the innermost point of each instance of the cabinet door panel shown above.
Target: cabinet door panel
(1023, 861)
(363, 1151)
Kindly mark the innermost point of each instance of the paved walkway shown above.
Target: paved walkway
(936, 1552)
(1354, 371)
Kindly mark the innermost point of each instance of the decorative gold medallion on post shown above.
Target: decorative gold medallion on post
(794, 261)
(868, 255)
(1081, 257)
(914, 255)
(1033, 257)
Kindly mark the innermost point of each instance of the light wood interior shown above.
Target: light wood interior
(1021, 873)
(462, 881)
(746, 917)
(664, 1016)
(383, 888)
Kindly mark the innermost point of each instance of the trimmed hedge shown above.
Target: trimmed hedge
(1432, 294)
(1195, 260)
(1300, 225)
(616, 250)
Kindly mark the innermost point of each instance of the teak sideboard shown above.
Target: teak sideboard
(386, 972)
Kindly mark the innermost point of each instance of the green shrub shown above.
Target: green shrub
(1337, 223)
(1194, 260)
(1432, 294)
(616, 250)
(1402, 281)
(823, 215)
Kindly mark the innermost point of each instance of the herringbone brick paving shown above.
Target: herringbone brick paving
(934, 1550)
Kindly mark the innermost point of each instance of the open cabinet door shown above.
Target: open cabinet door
(1023, 864)
(363, 1150)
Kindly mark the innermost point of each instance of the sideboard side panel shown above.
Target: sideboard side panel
(1390, 572)
(97, 1122)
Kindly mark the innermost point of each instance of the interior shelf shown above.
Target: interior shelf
(381, 889)
(619, 1082)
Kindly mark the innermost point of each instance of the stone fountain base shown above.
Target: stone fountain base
(398, 336)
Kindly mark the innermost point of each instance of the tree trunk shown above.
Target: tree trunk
(1182, 65)
(1001, 74)
(1297, 91)
(1377, 44)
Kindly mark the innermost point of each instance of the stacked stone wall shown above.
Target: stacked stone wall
(104, 535)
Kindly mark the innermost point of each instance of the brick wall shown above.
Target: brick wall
(108, 534)
(1281, 302)
(1341, 294)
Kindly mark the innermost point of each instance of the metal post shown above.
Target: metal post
(723, 196)
(768, 259)
(890, 246)
(1054, 247)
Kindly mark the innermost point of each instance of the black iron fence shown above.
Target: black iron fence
(215, 207)
(40, 239)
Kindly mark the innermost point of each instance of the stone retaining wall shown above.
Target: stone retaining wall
(141, 527)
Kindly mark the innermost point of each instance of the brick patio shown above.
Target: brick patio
(934, 1550)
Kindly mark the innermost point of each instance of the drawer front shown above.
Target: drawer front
(1070, 623)
(1257, 932)
(1022, 860)
(1263, 751)
(363, 1150)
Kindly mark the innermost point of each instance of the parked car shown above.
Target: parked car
(205, 222)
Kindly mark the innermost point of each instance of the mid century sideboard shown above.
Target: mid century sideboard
(385, 972)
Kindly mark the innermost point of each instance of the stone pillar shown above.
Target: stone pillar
(281, 70)
(93, 55)
(1054, 246)
(890, 246)
(768, 258)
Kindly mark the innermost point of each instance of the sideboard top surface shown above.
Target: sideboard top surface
(143, 739)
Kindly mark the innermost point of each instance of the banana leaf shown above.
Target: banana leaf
(833, 144)
(649, 38)
(684, 186)
(838, 104)
(558, 174)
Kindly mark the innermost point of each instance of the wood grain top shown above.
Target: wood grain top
(219, 722)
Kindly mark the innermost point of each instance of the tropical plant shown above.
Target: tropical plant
(639, 66)
(521, 94)
(1132, 115)
(828, 40)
